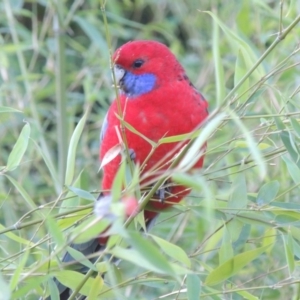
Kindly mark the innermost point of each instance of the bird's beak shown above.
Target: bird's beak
(119, 74)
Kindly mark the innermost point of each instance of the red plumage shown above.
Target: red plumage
(172, 107)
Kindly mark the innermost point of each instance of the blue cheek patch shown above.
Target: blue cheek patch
(136, 85)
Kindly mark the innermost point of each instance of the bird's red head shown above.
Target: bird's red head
(140, 57)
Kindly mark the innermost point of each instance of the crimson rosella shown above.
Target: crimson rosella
(158, 100)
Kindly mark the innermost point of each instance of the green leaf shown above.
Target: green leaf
(89, 229)
(219, 69)
(119, 180)
(179, 138)
(237, 42)
(287, 140)
(247, 295)
(267, 192)
(19, 149)
(193, 154)
(193, 285)
(242, 144)
(91, 31)
(72, 279)
(255, 218)
(82, 193)
(16, 238)
(53, 290)
(240, 71)
(296, 126)
(226, 251)
(82, 259)
(50, 166)
(19, 270)
(292, 168)
(150, 253)
(71, 200)
(5, 109)
(187, 180)
(289, 252)
(172, 250)
(96, 287)
(269, 238)
(28, 285)
(252, 144)
(233, 266)
(55, 232)
(73, 148)
(290, 146)
(238, 197)
(139, 259)
(24, 194)
(244, 234)
(132, 129)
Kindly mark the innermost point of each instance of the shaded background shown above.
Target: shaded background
(56, 54)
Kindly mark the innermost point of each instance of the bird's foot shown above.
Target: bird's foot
(132, 154)
(163, 192)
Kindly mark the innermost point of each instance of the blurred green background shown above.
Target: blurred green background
(239, 229)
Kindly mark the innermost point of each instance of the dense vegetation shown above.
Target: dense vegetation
(237, 235)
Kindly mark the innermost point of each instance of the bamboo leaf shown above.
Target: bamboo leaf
(172, 250)
(233, 266)
(73, 148)
(19, 149)
(193, 285)
(267, 192)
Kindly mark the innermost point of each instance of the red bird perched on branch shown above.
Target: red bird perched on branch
(158, 100)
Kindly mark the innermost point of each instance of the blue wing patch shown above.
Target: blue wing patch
(103, 128)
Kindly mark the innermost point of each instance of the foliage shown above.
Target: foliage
(237, 235)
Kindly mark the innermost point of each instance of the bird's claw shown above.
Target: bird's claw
(161, 193)
(132, 154)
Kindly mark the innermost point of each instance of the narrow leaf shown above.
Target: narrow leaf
(24, 194)
(226, 251)
(193, 285)
(140, 259)
(89, 229)
(19, 270)
(150, 253)
(172, 250)
(292, 168)
(82, 193)
(5, 109)
(233, 265)
(82, 259)
(192, 155)
(72, 279)
(289, 252)
(17, 238)
(238, 197)
(267, 192)
(110, 155)
(96, 288)
(19, 149)
(240, 71)
(295, 125)
(73, 148)
(55, 232)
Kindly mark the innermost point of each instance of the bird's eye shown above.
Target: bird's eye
(138, 63)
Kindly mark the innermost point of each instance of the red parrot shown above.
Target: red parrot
(158, 100)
